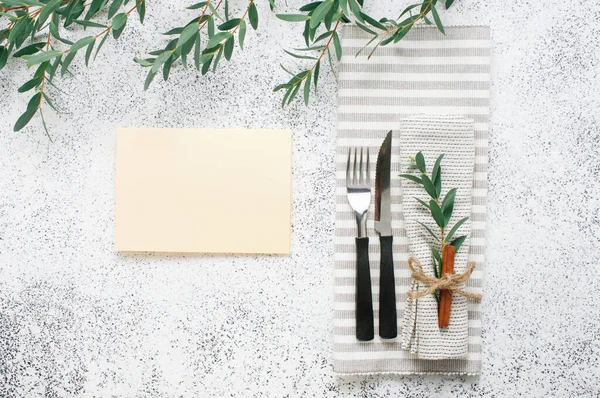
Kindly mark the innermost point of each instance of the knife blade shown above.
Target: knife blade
(388, 324)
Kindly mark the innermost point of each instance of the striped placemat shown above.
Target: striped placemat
(425, 73)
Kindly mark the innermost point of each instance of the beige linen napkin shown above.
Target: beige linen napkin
(433, 136)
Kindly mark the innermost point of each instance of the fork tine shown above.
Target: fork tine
(361, 178)
(355, 176)
(348, 180)
(368, 169)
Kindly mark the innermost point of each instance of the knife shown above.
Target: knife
(388, 327)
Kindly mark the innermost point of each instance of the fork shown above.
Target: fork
(358, 187)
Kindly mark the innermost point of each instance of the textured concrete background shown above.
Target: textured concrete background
(78, 319)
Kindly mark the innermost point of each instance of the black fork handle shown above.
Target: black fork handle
(364, 298)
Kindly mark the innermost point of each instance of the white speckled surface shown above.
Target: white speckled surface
(78, 319)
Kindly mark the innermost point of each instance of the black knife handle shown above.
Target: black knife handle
(364, 298)
(388, 325)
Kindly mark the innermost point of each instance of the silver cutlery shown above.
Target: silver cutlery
(358, 186)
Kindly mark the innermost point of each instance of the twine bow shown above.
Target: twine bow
(449, 282)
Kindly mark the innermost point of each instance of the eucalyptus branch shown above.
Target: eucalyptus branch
(28, 18)
(440, 209)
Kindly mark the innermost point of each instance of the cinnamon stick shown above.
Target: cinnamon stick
(446, 295)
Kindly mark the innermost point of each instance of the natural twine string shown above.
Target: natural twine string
(446, 282)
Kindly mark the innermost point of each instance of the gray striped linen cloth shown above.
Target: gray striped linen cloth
(424, 73)
(433, 136)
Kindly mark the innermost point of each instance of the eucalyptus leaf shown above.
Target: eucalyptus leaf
(228, 49)
(320, 12)
(253, 15)
(430, 231)
(436, 213)
(338, 46)
(420, 159)
(41, 57)
(457, 243)
(307, 81)
(437, 20)
(187, 34)
(448, 204)
(412, 178)
(429, 187)
(29, 50)
(293, 17)
(455, 228)
(242, 33)
(3, 56)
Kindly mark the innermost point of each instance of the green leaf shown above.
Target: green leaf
(436, 213)
(458, 242)
(41, 57)
(114, 7)
(217, 59)
(142, 62)
(167, 67)
(3, 56)
(293, 94)
(24, 119)
(449, 3)
(253, 16)
(366, 29)
(448, 204)
(226, 9)
(293, 17)
(355, 8)
(197, 5)
(206, 65)
(436, 254)
(407, 9)
(30, 49)
(30, 84)
(429, 187)
(299, 56)
(174, 31)
(187, 34)
(118, 24)
(373, 22)
(423, 203)
(430, 231)
(412, 178)
(242, 33)
(49, 102)
(101, 44)
(160, 60)
(47, 10)
(218, 39)
(228, 25)
(229, 48)
(420, 159)
(436, 167)
(141, 10)
(338, 46)
(437, 183)
(316, 74)
(310, 6)
(320, 12)
(88, 52)
(95, 6)
(307, 81)
(89, 24)
(455, 228)
(197, 49)
(73, 51)
(149, 79)
(437, 20)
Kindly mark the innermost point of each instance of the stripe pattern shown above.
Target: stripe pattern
(424, 73)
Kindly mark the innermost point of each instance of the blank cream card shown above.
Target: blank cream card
(203, 190)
